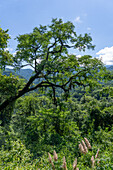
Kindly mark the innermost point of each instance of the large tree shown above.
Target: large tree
(48, 50)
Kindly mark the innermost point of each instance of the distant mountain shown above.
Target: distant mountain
(22, 73)
(8, 72)
(109, 67)
(27, 73)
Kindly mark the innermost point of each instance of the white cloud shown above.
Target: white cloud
(77, 20)
(106, 55)
(78, 56)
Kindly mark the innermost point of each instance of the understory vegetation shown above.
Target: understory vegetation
(38, 127)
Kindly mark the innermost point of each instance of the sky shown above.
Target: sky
(88, 16)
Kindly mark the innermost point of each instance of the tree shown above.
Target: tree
(47, 50)
(5, 56)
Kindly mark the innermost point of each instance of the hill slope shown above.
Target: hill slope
(23, 73)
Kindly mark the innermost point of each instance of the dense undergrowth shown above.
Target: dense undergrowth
(38, 127)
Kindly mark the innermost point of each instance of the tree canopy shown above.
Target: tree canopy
(48, 51)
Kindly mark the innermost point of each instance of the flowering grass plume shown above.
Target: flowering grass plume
(87, 143)
(81, 148)
(93, 161)
(64, 163)
(96, 156)
(75, 164)
(84, 146)
(50, 160)
(55, 155)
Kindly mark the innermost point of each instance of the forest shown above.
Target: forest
(58, 114)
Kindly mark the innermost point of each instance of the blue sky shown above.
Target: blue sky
(88, 16)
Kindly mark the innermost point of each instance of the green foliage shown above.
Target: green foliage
(9, 86)
(5, 56)
(18, 157)
(50, 42)
(39, 121)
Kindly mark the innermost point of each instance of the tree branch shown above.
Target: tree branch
(75, 76)
(48, 52)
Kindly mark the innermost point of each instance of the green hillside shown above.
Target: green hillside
(22, 73)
